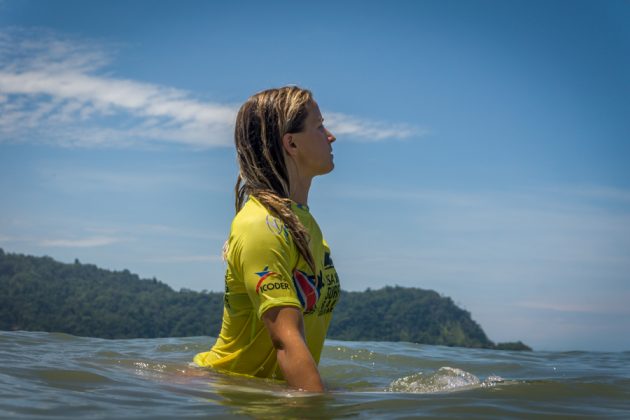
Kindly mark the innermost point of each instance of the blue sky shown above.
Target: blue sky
(482, 147)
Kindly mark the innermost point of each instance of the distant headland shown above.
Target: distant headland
(41, 294)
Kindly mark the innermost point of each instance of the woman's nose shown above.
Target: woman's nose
(331, 137)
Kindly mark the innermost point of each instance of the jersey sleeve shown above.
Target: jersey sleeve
(266, 260)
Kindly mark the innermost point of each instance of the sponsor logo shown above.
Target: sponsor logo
(307, 289)
(226, 295)
(328, 262)
(330, 297)
(264, 275)
(277, 227)
(274, 286)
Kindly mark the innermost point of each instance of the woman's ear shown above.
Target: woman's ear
(288, 144)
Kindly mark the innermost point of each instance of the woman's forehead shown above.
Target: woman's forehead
(314, 112)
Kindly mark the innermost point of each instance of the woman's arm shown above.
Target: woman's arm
(286, 328)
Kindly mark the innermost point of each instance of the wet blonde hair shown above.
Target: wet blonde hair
(261, 123)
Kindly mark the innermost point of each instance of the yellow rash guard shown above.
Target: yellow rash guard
(264, 270)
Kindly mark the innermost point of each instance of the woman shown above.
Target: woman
(280, 282)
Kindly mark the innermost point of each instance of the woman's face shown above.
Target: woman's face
(314, 144)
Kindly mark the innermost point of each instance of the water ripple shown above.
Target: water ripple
(58, 375)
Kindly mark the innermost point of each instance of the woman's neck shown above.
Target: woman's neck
(299, 190)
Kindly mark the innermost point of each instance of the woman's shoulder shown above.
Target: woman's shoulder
(252, 214)
(255, 222)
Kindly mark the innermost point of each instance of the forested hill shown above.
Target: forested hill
(41, 294)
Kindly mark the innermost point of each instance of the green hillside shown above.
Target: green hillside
(41, 294)
(406, 314)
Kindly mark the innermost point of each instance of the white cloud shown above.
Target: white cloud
(146, 231)
(369, 131)
(54, 90)
(79, 180)
(619, 308)
(185, 259)
(6, 238)
(528, 239)
(176, 231)
(82, 234)
(595, 193)
(89, 242)
(48, 82)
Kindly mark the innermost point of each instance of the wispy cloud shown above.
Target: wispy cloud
(185, 259)
(529, 238)
(580, 308)
(89, 242)
(47, 82)
(6, 239)
(369, 131)
(84, 234)
(91, 179)
(174, 232)
(55, 89)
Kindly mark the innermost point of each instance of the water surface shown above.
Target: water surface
(45, 375)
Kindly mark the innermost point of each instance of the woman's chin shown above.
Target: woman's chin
(326, 170)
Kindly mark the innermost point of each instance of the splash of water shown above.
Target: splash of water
(443, 380)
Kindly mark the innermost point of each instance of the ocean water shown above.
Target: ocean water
(49, 375)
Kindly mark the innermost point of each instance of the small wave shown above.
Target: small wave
(445, 379)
